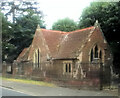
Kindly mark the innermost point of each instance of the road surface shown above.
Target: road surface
(37, 90)
(10, 92)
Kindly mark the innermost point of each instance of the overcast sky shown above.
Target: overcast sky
(59, 9)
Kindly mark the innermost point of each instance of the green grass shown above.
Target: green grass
(30, 82)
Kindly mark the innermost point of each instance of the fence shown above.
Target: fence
(80, 74)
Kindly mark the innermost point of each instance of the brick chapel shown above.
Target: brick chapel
(76, 55)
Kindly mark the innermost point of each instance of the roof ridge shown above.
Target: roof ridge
(63, 32)
(82, 29)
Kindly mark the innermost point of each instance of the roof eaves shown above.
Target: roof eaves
(64, 58)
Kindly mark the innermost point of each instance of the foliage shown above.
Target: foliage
(7, 32)
(16, 8)
(18, 34)
(108, 15)
(65, 24)
(24, 30)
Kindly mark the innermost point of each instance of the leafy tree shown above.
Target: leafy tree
(108, 15)
(65, 25)
(7, 35)
(19, 33)
(24, 30)
(19, 7)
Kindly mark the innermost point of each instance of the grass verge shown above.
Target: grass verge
(30, 82)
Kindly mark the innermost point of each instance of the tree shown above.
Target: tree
(19, 7)
(24, 30)
(19, 33)
(7, 35)
(108, 15)
(65, 24)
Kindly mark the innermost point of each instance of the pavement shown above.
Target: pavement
(37, 90)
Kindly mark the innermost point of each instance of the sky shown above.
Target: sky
(59, 9)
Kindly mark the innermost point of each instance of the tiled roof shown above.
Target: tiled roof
(60, 44)
(72, 42)
(53, 39)
(65, 44)
(39, 42)
(23, 55)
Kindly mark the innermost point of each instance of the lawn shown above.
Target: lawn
(41, 83)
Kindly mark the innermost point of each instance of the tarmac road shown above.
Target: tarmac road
(10, 92)
(36, 90)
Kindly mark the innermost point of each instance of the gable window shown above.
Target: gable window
(36, 60)
(91, 55)
(95, 54)
(96, 51)
(100, 54)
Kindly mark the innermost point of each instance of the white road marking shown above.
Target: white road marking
(16, 91)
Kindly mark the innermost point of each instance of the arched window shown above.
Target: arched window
(91, 55)
(95, 54)
(96, 51)
(100, 54)
(37, 59)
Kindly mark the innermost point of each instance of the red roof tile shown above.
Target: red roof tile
(84, 29)
(53, 39)
(22, 56)
(60, 44)
(72, 42)
(39, 42)
(65, 44)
